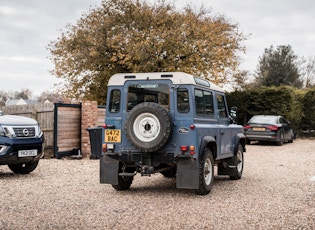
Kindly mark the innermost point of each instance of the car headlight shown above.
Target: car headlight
(40, 132)
(5, 132)
(2, 133)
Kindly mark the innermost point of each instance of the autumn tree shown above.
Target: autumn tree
(241, 81)
(17, 94)
(3, 96)
(135, 36)
(307, 71)
(23, 94)
(278, 67)
(52, 97)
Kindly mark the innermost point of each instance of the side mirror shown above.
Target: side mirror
(233, 112)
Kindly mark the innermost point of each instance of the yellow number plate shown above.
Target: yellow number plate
(112, 135)
(259, 129)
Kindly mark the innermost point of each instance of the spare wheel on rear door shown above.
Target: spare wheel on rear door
(148, 126)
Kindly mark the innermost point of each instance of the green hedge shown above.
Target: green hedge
(298, 106)
(308, 108)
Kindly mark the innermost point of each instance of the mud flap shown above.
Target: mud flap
(224, 170)
(109, 170)
(187, 176)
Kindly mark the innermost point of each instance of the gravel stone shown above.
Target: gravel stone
(276, 192)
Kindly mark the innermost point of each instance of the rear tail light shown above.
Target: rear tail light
(186, 148)
(247, 127)
(273, 127)
(191, 150)
(106, 126)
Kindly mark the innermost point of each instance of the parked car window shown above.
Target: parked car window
(221, 106)
(114, 101)
(283, 121)
(182, 100)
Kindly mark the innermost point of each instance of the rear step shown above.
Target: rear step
(126, 174)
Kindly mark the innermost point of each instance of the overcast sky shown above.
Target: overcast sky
(26, 28)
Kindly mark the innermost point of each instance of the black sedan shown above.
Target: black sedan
(268, 128)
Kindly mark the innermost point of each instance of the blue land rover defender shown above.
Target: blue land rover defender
(171, 123)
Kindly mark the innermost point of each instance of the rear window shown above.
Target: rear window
(263, 119)
(148, 92)
(114, 101)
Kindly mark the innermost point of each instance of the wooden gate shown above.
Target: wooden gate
(67, 129)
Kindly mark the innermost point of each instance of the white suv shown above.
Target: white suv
(20, 143)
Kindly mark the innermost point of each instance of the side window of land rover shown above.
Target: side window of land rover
(204, 103)
(221, 106)
(114, 101)
(182, 100)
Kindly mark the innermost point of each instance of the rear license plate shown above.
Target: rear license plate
(259, 129)
(112, 135)
(27, 153)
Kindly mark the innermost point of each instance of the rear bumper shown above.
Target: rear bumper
(187, 174)
(262, 137)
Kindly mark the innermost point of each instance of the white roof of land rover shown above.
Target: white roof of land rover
(179, 78)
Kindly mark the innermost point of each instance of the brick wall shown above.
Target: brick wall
(88, 119)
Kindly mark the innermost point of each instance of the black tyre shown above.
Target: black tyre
(124, 182)
(292, 138)
(148, 126)
(238, 161)
(281, 141)
(171, 173)
(24, 168)
(206, 173)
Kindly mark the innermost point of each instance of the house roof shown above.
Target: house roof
(20, 102)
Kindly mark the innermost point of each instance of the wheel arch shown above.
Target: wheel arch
(208, 142)
(240, 139)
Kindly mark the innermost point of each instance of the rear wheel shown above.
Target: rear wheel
(292, 138)
(171, 173)
(206, 173)
(281, 141)
(24, 168)
(238, 161)
(124, 182)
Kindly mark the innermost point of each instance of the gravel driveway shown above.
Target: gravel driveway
(277, 191)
